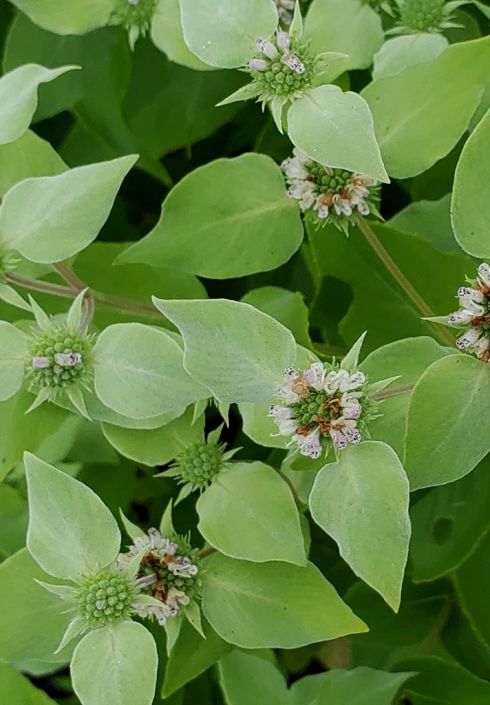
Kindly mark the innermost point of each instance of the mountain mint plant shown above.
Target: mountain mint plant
(215, 488)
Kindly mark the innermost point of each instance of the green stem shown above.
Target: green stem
(397, 274)
(69, 292)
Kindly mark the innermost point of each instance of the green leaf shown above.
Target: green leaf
(139, 372)
(246, 678)
(448, 523)
(18, 97)
(431, 220)
(287, 307)
(71, 531)
(470, 210)
(32, 626)
(167, 35)
(237, 351)
(156, 446)
(472, 582)
(400, 52)
(379, 305)
(118, 664)
(16, 689)
(362, 503)
(13, 355)
(393, 636)
(81, 16)
(360, 686)
(191, 656)
(223, 33)
(453, 393)
(344, 26)
(51, 218)
(29, 155)
(408, 359)
(249, 513)
(214, 227)
(443, 681)
(260, 605)
(416, 118)
(336, 129)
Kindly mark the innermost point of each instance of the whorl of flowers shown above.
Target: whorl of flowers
(323, 407)
(425, 16)
(474, 315)
(58, 359)
(329, 195)
(168, 572)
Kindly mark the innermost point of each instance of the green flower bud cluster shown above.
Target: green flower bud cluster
(105, 598)
(8, 262)
(135, 16)
(309, 409)
(199, 464)
(281, 80)
(422, 15)
(330, 180)
(48, 364)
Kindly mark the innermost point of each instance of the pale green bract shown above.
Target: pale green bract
(227, 219)
(453, 393)
(117, 663)
(258, 605)
(90, 540)
(470, 211)
(79, 17)
(139, 372)
(51, 218)
(222, 33)
(238, 352)
(248, 512)
(13, 353)
(362, 502)
(18, 97)
(336, 129)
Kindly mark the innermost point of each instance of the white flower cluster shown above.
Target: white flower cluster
(330, 193)
(474, 314)
(320, 405)
(163, 572)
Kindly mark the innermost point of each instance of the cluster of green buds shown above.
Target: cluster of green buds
(135, 16)
(199, 464)
(425, 16)
(283, 69)
(59, 360)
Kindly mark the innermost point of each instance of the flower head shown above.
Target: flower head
(199, 464)
(168, 572)
(322, 407)
(105, 597)
(135, 16)
(474, 315)
(424, 16)
(329, 195)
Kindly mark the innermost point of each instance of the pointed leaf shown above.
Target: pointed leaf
(18, 97)
(10, 296)
(79, 17)
(453, 394)
(470, 208)
(71, 531)
(13, 354)
(139, 372)
(247, 678)
(337, 130)
(214, 227)
(362, 503)
(50, 218)
(223, 32)
(260, 605)
(237, 351)
(115, 664)
(249, 513)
